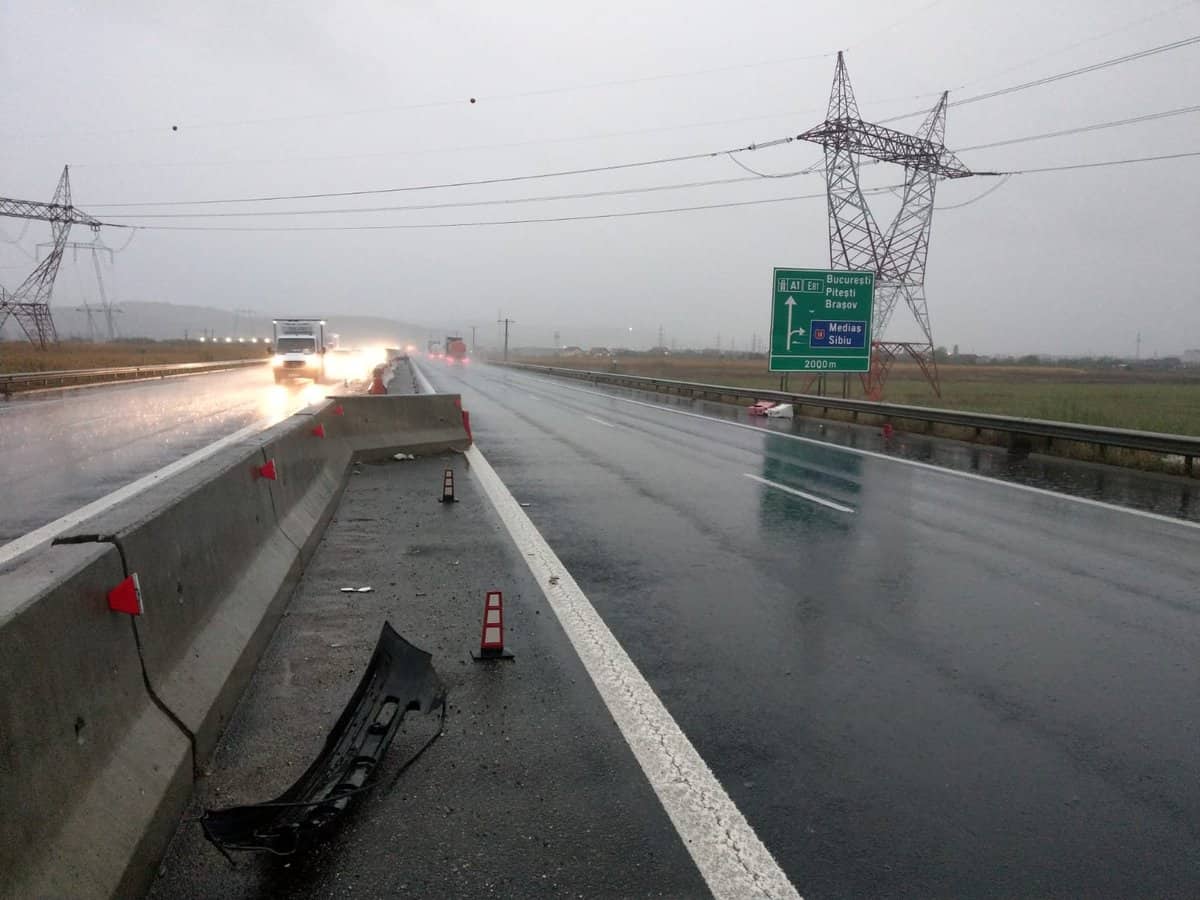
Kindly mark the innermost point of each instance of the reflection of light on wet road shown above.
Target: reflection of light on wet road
(281, 400)
(65, 451)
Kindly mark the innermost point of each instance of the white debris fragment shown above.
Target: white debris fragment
(404, 456)
(365, 589)
(782, 411)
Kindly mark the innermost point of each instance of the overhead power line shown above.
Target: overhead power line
(1121, 28)
(392, 227)
(1107, 163)
(509, 179)
(464, 101)
(459, 148)
(1082, 129)
(754, 175)
(1059, 76)
(1129, 57)
(633, 213)
(461, 204)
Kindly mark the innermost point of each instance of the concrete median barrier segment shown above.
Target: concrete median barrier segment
(377, 427)
(103, 717)
(91, 770)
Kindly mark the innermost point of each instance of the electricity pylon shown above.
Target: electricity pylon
(897, 256)
(29, 304)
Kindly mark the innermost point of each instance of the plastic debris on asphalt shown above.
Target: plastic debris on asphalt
(782, 411)
(365, 589)
(404, 456)
(400, 679)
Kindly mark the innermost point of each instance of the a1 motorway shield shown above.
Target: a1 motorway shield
(821, 321)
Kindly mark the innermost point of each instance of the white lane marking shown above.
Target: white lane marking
(47, 533)
(601, 422)
(929, 467)
(729, 855)
(422, 382)
(791, 490)
(732, 860)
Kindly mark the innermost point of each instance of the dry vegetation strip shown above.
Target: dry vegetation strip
(24, 357)
(1147, 401)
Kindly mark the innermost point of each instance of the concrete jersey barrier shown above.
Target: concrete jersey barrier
(91, 771)
(218, 550)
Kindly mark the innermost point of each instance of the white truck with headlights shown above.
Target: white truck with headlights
(299, 349)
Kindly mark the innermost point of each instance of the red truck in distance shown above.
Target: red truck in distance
(456, 351)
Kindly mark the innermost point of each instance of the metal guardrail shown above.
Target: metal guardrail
(1147, 441)
(17, 382)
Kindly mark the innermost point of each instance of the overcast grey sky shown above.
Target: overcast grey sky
(302, 97)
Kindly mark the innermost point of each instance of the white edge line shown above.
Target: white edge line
(929, 467)
(36, 538)
(732, 860)
(791, 490)
(601, 422)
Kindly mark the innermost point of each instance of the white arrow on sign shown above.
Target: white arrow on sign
(790, 303)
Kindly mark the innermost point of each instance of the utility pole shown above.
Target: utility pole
(1138, 353)
(474, 347)
(661, 342)
(238, 316)
(506, 323)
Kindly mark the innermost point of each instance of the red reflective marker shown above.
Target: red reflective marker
(126, 597)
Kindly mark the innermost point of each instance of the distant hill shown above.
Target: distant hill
(166, 320)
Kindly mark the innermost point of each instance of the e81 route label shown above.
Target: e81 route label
(821, 321)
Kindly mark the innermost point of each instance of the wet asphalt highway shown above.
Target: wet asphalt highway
(64, 450)
(912, 683)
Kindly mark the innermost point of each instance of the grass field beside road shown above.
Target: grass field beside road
(1143, 400)
(24, 357)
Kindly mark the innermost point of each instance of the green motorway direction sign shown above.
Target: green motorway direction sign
(821, 321)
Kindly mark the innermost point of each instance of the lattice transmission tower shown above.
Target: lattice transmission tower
(97, 248)
(29, 304)
(897, 256)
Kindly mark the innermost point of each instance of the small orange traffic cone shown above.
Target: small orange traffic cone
(491, 641)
